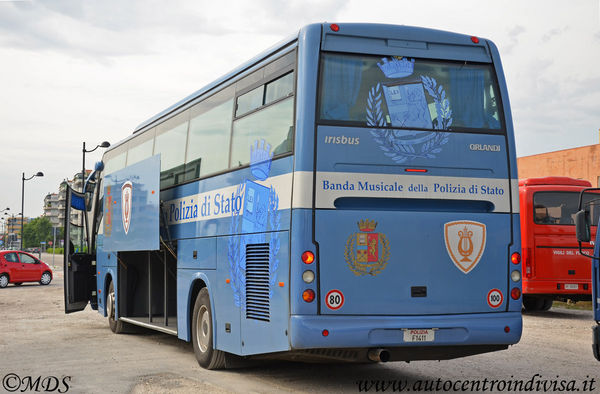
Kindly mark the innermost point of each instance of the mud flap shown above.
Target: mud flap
(596, 341)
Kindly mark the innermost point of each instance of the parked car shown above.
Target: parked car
(17, 267)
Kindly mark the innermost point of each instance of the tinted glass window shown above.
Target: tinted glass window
(560, 207)
(11, 257)
(408, 93)
(25, 258)
(208, 143)
(171, 147)
(140, 148)
(115, 163)
(279, 88)
(273, 124)
(249, 101)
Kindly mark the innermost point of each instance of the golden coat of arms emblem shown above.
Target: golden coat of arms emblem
(367, 252)
(465, 243)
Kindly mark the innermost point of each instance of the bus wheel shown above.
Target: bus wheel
(202, 336)
(533, 304)
(547, 304)
(115, 325)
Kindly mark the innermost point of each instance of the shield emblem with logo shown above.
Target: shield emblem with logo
(465, 243)
(126, 195)
(367, 252)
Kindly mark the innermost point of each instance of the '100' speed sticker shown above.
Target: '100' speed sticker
(495, 298)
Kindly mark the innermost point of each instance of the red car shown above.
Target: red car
(18, 267)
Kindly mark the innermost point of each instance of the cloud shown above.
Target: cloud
(114, 28)
(554, 32)
(513, 35)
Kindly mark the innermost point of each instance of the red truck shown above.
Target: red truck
(553, 268)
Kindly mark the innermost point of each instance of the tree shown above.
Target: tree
(36, 231)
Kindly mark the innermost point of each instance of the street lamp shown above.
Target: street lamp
(104, 144)
(23, 179)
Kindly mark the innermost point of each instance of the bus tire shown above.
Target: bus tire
(547, 304)
(116, 326)
(202, 334)
(532, 304)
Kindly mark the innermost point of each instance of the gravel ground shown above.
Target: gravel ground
(37, 339)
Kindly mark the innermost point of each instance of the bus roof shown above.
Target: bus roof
(409, 33)
(554, 180)
(245, 66)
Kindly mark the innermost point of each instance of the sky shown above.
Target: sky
(88, 70)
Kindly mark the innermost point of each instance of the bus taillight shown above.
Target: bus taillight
(308, 295)
(515, 258)
(515, 293)
(334, 27)
(527, 264)
(308, 257)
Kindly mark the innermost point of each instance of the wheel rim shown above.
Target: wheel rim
(203, 329)
(45, 278)
(110, 305)
(3, 281)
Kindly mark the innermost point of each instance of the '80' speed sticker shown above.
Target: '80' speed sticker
(334, 299)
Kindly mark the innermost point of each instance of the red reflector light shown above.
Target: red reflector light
(325, 333)
(415, 170)
(308, 295)
(334, 27)
(515, 293)
(507, 329)
(515, 258)
(308, 257)
(475, 40)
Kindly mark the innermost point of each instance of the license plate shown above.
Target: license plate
(419, 335)
(571, 286)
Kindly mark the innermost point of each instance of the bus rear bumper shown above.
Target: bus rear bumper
(306, 332)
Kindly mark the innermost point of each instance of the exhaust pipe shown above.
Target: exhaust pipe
(379, 355)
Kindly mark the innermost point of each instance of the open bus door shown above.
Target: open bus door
(588, 212)
(79, 258)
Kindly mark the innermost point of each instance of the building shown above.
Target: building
(13, 231)
(579, 163)
(51, 210)
(76, 216)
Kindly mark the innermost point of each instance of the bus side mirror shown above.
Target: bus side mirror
(582, 226)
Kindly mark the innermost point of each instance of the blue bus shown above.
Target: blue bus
(587, 216)
(350, 194)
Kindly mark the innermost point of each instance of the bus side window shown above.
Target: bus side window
(271, 124)
(210, 131)
(170, 142)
